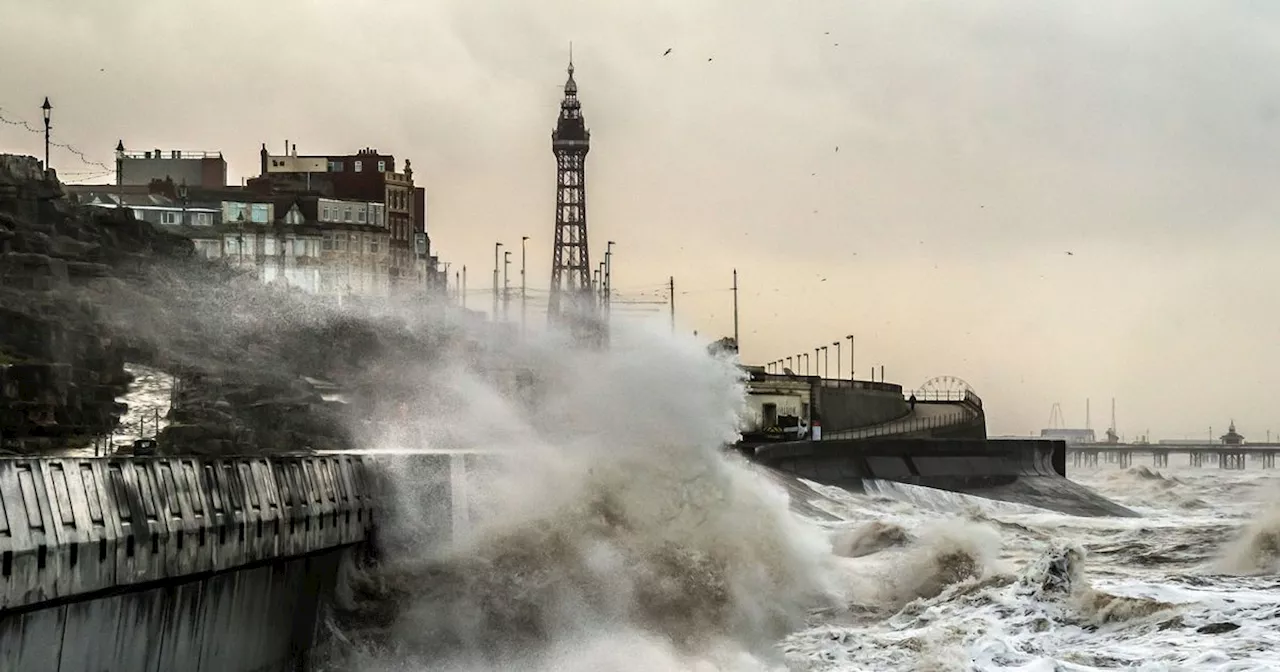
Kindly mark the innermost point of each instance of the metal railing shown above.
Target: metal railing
(840, 383)
(967, 397)
(900, 427)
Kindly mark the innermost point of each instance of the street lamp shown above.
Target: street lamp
(524, 289)
(816, 351)
(120, 172)
(788, 364)
(851, 369)
(607, 281)
(506, 286)
(806, 363)
(837, 344)
(48, 114)
(496, 248)
(826, 363)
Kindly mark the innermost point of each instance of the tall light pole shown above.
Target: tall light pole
(463, 288)
(608, 279)
(48, 116)
(496, 248)
(120, 172)
(851, 369)
(816, 351)
(837, 344)
(826, 363)
(788, 365)
(736, 344)
(806, 363)
(506, 286)
(524, 287)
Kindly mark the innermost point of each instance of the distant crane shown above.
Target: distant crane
(1056, 421)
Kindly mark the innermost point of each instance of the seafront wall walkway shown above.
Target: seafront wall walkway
(932, 415)
(187, 563)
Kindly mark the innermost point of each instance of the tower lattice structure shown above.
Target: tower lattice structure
(572, 302)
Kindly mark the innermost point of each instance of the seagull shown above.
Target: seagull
(667, 51)
(1071, 254)
(837, 149)
(708, 60)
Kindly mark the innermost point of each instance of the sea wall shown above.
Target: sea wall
(185, 563)
(1026, 472)
(860, 404)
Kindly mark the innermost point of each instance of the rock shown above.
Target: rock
(1217, 628)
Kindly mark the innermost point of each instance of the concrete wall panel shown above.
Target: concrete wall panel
(78, 525)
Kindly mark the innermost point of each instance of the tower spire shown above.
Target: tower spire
(571, 301)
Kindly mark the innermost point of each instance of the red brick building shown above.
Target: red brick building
(367, 175)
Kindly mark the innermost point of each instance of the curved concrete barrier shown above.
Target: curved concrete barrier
(1025, 472)
(182, 563)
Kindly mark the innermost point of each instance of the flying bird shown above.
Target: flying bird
(837, 149)
(708, 60)
(1070, 254)
(667, 51)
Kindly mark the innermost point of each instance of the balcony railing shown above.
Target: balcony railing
(172, 154)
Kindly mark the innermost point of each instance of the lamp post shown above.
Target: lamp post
(524, 288)
(48, 115)
(496, 248)
(608, 279)
(506, 286)
(120, 172)
(837, 344)
(816, 352)
(826, 363)
(851, 369)
(788, 363)
(806, 363)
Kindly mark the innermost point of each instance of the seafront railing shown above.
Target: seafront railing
(900, 427)
(839, 383)
(954, 396)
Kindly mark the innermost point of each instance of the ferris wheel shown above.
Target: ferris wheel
(946, 387)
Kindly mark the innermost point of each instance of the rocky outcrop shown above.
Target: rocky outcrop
(59, 374)
(83, 290)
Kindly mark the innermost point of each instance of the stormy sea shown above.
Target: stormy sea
(609, 529)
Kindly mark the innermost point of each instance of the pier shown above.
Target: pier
(1207, 454)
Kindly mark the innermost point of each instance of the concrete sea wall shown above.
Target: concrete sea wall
(860, 404)
(1026, 472)
(173, 563)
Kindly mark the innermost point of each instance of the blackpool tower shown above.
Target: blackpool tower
(572, 303)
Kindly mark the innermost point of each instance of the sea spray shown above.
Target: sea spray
(1256, 548)
(612, 517)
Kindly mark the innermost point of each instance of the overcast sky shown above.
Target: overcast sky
(979, 143)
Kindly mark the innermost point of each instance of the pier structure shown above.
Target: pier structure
(1222, 455)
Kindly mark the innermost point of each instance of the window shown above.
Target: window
(328, 241)
(359, 166)
(260, 213)
(201, 219)
(335, 166)
(360, 214)
(269, 246)
(382, 166)
(236, 212)
(770, 415)
(170, 218)
(373, 245)
(346, 214)
(324, 214)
